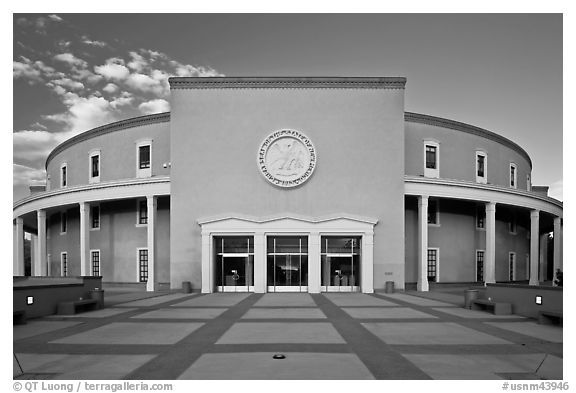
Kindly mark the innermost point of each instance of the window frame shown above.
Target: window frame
(92, 251)
(138, 203)
(143, 172)
(512, 226)
(528, 182)
(437, 203)
(64, 264)
(63, 223)
(476, 264)
(64, 179)
(138, 266)
(94, 153)
(513, 180)
(513, 261)
(432, 172)
(477, 217)
(482, 179)
(92, 227)
(437, 277)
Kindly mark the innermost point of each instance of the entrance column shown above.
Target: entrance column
(422, 284)
(33, 254)
(367, 263)
(557, 245)
(84, 239)
(152, 205)
(18, 262)
(207, 263)
(543, 257)
(534, 238)
(314, 262)
(260, 284)
(490, 260)
(41, 269)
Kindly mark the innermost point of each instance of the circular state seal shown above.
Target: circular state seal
(287, 158)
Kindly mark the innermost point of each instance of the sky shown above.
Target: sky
(74, 72)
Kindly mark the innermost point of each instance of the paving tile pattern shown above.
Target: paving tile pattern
(322, 336)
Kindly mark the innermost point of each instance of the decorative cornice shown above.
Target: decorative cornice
(287, 216)
(287, 83)
(107, 128)
(470, 129)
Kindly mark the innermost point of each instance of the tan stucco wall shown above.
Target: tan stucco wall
(358, 135)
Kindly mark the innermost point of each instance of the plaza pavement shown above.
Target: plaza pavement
(169, 336)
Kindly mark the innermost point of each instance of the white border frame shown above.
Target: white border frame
(513, 165)
(99, 261)
(138, 264)
(428, 172)
(437, 263)
(94, 153)
(62, 166)
(145, 172)
(476, 264)
(62, 264)
(481, 179)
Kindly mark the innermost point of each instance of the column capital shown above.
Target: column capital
(534, 213)
(490, 206)
(422, 200)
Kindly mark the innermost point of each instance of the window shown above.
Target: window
(431, 159)
(527, 275)
(433, 264)
(479, 265)
(94, 167)
(481, 167)
(63, 222)
(142, 265)
(480, 217)
(63, 175)
(513, 175)
(512, 225)
(511, 266)
(433, 212)
(64, 264)
(95, 217)
(95, 259)
(142, 212)
(528, 183)
(144, 158)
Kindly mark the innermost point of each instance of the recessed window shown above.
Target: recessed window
(433, 264)
(511, 266)
(95, 260)
(433, 212)
(144, 158)
(95, 217)
(63, 223)
(64, 264)
(480, 217)
(143, 265)
(431, 159)
(479, 265)
(142, 212)
(528, 183)
(481, 167)
(94, 167)
(512, 225)
(513, 176)
(63, 175)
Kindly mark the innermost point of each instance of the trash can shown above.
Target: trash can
(186, 287)
(389, 287)
(469, 296)
(98, 295)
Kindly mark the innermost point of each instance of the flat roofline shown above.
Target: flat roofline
(284, 82)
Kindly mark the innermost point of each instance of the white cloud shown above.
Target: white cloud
(125, 98)
(26, 71)
(88, 41)
(24, 175)
(144, 83)
(112, 71)
(138, 63)
(154, 106)
(69, 83)
(110, 88)
(70, 59)
(55, 18)
(32, 145)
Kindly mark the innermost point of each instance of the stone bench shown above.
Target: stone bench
(19, 317)
(550, 317)
(71, 308)
(497, 308)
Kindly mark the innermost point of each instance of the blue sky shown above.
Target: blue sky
(73, 72)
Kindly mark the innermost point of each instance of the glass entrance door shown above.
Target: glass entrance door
(287, 263)
(234, 263)
(340, 264)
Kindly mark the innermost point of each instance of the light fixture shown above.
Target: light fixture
(29, 300)
(538, 300)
